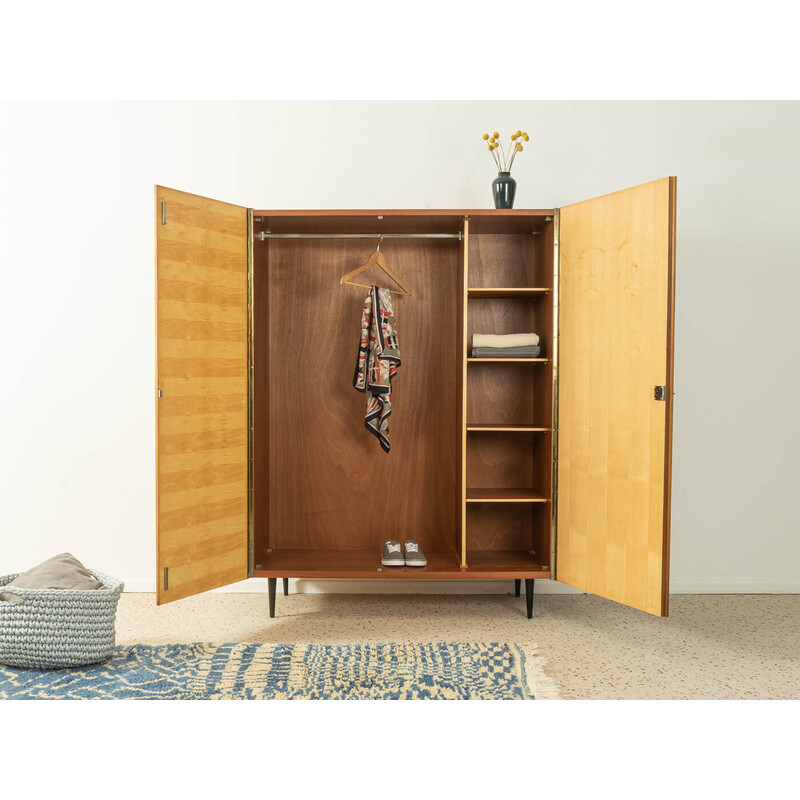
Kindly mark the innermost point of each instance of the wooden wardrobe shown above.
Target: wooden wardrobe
(555, 467)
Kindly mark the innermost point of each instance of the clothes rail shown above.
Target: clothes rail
(267, 235)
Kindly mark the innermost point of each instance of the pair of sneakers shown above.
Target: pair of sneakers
(410, 555)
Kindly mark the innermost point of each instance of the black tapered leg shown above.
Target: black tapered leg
(517, 583)
(273, 584)
(529, 595)
(285, 587)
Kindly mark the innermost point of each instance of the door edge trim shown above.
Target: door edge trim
(670, 373)
(250, 399)
(554, 400)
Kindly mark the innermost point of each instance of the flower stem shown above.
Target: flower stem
(504, 159)
(513, 156)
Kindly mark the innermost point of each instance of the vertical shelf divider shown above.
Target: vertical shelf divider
(464, 274)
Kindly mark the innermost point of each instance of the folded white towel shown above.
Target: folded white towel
(504, 340)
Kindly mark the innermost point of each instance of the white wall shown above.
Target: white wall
(76, 321)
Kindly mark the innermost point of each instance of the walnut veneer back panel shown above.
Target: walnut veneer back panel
(331, 486)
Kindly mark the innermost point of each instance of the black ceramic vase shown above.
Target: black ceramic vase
(504, 187)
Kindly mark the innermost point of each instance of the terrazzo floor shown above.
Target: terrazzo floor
(710, 647)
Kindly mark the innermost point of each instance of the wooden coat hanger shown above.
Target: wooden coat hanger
(376, 258)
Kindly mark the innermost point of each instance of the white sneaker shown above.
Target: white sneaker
(414, 555)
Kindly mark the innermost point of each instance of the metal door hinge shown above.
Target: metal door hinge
(160, 393)
(660, 392)
(163, 212)
(166, 578)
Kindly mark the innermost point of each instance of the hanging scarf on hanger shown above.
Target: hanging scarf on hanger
(378, 362)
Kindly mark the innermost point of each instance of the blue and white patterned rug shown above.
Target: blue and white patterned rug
(440, 671)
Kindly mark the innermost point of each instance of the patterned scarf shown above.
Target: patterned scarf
(378, 361)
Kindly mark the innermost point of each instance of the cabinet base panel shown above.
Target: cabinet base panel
(481, 565)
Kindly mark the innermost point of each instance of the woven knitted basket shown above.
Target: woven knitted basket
(56, 628)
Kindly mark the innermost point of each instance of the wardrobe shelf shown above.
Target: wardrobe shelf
(504, 426)
(341, 563)
(504, 496)
(509, 360)
(367, 564)
(515, 562)
(506, 293)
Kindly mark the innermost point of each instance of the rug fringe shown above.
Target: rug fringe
(537, 683)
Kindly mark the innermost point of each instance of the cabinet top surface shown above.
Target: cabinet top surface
(425, 212)
(403, 220)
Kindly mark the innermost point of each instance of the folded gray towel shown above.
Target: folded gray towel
(506, 352)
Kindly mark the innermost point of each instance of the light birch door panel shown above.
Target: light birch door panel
(217, 458)
(615, 307)
(175, 499)
(194, 545)
(213, 512)
(202, 362)
(200, 329)
(203, 387)
(173, 348)
(200, 422)
(200, 478)
(200, 441)
(188, 252)
(212, 286)
(182, 367)
(197, 312)
(215, 529)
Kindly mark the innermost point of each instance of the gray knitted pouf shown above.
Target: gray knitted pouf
(56, 628)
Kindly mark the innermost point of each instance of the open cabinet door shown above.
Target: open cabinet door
(616, 312)
(202, 447)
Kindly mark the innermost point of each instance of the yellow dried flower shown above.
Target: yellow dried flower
(513, 136)
(490, 148)
(525, 137)
(519, 133)
(485, 136)
(519, 147)
(496, 135)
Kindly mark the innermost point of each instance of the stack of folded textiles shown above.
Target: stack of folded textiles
(509, 345)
